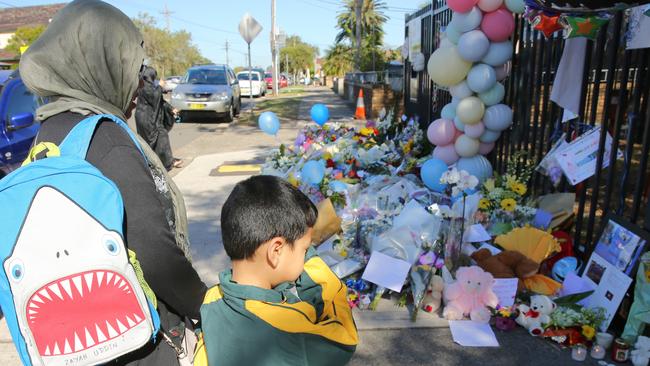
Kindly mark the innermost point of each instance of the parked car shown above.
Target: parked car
(208, 89)
(268, 78)
(257, 85)
(18, 126)
(171, 83)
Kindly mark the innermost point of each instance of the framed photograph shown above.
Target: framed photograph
(621, 243)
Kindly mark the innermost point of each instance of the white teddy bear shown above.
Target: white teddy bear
(433, 298)
(641, 352)
(533, 317)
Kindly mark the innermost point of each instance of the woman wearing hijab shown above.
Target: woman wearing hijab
(88, 62)
(153, 116)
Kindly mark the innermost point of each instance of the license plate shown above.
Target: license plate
(197, 106)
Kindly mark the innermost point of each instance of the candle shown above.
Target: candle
(579, 353)
(597, 352)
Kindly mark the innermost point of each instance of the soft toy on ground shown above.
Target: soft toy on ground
(507, 264)
(470, 295)
(433, 298)
(534, 317)
(641, 353)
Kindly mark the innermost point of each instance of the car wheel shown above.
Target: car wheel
(230, 115)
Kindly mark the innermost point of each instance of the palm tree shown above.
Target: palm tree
(338, 60)
(372, 22)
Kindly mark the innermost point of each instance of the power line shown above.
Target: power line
(8, 4)
(167, 14)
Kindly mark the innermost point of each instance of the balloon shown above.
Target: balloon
(457, 135)
(489, 5)
(485, 148)
(498, 53)
(494, 95)
(498, 117)
(313, 171)
(503, 71)
(478, 166)
(445, 43)
(563, 266)
(481, 78)
(448, 111)
(470, 110)
(431, 172)
(446, 153)
(269, 123)
(441, 132)
(461, 90)
(516, 6)
(489, 136)
(473, 45)
(548, 24)
(475, 131)
(320, 114)
(498, 25)
(338, 186)
(460, 126)
(467, 21)
(466, 146)
(446, 67)
(461, 6)
(452, 33)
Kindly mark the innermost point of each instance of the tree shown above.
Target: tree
(338, 60)
(299, 55)
(24, 36)
(170, 53)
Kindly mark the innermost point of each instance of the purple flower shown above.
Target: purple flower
(300, 139)
(371, 124)
(440, 262)
(404, 118)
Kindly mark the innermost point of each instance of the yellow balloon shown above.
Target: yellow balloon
(446, 67)
(470, 110)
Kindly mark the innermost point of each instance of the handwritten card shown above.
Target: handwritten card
(377, 273)
(506, 290)
(578, 159)
(472, 334)
(476, 234)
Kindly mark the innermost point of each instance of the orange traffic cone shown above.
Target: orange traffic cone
(361, 108)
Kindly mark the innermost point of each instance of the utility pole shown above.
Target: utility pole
(167, 14)
(227, 58)
(274, 66)
(357, 58)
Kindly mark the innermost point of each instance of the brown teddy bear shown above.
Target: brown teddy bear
(507, 264)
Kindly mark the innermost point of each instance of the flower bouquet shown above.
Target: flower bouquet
(504, 318)
(573, 325)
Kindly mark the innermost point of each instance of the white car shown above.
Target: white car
(258, 84)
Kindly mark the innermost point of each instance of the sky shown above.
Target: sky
(213, 22)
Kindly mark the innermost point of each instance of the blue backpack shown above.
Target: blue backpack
(71, 291)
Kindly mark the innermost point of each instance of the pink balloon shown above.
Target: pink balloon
(458, 134)
(441, 132)
(461, 6)
(475, 131)
(446, 153)
(485, 148)
(498, 25)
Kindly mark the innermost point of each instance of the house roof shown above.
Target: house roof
(16, 17)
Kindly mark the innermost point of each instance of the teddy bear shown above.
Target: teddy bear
(534, 317)
(640, 356)
(507, 264)
(433, 298)
(471, 294)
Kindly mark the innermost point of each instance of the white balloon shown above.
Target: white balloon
(481, 78)
(490, 136)
(516, 6)
(473, 45)
(497, 118)
(478, 166)
(418, 62)
(498, 53)
(461, 90)
(489, 5)
(494, 95)
(466, 146)
(465, 22)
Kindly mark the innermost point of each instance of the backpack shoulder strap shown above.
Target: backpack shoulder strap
(77, 142)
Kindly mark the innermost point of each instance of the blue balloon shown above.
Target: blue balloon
(562, 268)
(338, 186)
(269, 123)
(320, 114)
(313, 171)
(460, 126)
(431, 172)
(481, 78)
(448, 111)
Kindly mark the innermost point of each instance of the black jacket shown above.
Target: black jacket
(147, 232)
(153, 117)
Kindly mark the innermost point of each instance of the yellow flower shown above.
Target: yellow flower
(344, 253)
(489, 185)
(408, 147)
(508, 204)
(519, 188)
(505, 313)
(327, 156)
(366, 131)
(510, 181)
(588, 331)
(293, 181)
(484, 204)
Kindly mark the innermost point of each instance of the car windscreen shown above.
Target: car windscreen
(244, 76)
(210, 77)
(268, 76)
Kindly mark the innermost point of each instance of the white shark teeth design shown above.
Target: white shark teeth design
(45, 294)
(66, 348)
(137, 318)
(100, 277)
(109, 275)
(56, 290)
(89, 339)
(130, 322)
(78, 346)
(47, 351)
(37, 298)
(100, 336)
(78, 285)
(89, 280)
(56, 350)
(121, 327)
(111, 332)
(66, 286)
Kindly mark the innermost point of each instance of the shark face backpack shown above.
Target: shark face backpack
(68, 288)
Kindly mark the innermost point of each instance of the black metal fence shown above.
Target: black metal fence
(615, 93)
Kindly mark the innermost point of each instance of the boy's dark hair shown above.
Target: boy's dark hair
(261, 208)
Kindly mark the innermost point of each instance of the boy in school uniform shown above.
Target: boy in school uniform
(280, 304)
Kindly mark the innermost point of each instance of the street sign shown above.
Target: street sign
(249, 28)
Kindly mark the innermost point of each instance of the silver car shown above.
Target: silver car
(208, 89)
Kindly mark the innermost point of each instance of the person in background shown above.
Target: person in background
(88, 62)
(154, 118)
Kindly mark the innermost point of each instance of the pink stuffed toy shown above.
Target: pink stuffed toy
(470, 295)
